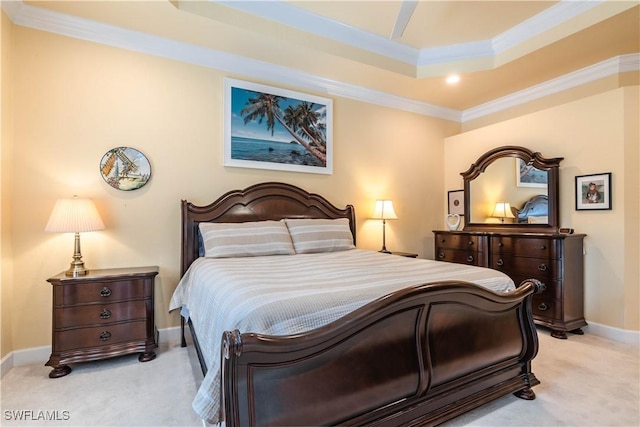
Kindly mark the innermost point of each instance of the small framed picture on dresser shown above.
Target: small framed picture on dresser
(593, 192)
(456, 202)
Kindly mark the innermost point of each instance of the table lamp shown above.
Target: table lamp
(384, 211)
(75, 216)
(502, 211)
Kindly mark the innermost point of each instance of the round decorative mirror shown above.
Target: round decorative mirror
(512, 188)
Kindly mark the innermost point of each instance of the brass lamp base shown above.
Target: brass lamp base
(76, 269)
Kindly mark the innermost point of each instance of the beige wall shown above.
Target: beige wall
(6, 168)
(594, 135)
(75, 100)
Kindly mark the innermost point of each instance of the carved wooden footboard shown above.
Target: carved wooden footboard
(419, 356)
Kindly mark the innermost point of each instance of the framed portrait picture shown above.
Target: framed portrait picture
(593, 192)
(530, 176)
(456, 202)
(272, 128)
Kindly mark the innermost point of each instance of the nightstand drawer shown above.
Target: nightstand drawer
(95, 314)
(80, 338)
(103, 291)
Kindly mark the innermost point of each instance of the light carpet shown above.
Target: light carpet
(585, 381)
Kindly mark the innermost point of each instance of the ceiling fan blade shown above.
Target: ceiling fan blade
(406, 10)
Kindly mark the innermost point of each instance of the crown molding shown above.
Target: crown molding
(606, 68)
(80, 28)
(301, 19)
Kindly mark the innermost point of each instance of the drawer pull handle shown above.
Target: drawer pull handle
(105, 292)
(442, 240)
(105, 314)
(542, 267)
(105, 336)
(543, 307)
(470, 242)
(543, 247)
(543, 287)
(470, 258)
(441, 255)
(500, 244)
(500, 262)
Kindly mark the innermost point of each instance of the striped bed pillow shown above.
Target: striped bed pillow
(320, 235)
(244, 239)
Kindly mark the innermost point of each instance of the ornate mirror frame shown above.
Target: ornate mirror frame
(532, 158)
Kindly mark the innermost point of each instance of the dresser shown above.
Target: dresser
(103, 314)
(556, 260)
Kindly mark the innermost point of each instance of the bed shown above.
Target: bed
(383, 341)
(534, 211)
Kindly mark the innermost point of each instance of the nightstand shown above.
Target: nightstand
(407, 254)
(104, 314)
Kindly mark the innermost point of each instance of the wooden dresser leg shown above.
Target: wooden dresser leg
(561, 335)
(525, 393)
(60, 371)
(146, 357)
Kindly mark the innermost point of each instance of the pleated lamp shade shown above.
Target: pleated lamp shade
(74, 216)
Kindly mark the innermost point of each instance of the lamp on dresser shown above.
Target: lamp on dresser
(384, 211)
(75, 216)
(502, 211)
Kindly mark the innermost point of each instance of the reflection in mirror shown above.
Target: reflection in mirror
(508, 180)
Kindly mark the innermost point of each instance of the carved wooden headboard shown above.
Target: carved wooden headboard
(259, 202)
(537, 206)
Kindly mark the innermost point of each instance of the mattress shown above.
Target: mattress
(290, 294)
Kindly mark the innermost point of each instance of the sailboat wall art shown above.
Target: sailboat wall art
(272, 128)
(125, 168)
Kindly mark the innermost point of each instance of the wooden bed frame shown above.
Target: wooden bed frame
(419, 356)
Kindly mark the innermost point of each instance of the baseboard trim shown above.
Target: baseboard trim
(36, 355)
(615, 334)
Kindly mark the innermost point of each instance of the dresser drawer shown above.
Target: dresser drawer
(525, 246)
(80, 338)
(552, 288)
(538, 268)
(546, 307)
(102, 291)
(458, 241)
(460, 257)
(94, 314)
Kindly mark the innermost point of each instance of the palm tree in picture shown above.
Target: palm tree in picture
(266, 106)
(303, 120)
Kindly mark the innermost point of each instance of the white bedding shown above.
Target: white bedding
(288, 294)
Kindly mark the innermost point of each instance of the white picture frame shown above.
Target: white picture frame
(273, 128)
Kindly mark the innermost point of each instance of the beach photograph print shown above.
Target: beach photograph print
(272, 128)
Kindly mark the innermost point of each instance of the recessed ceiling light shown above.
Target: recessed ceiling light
(453, 79)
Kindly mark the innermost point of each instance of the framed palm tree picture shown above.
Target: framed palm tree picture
(273, 128)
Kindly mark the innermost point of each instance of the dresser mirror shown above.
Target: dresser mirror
(512, 188)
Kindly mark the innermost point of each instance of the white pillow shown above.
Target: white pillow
(538, 220)
(243, 239)
(320, 235)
